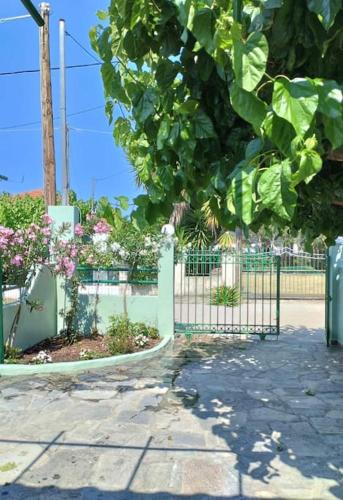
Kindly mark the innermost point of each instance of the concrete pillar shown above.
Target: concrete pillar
(166, 288)
(63, 216)
(334, 320)
(228, 269)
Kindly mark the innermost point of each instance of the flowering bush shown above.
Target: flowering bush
(23, 247)
(95, 244)
(41, 358)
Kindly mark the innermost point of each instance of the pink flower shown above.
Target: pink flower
(67, 266)
(102, 227)
(5, 231)
(46, 231)
(79, 230)
(18, 240)
(17, 260)
(3, 242)
(73, 251)
(47, 219)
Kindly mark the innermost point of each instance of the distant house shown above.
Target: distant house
(35, 193)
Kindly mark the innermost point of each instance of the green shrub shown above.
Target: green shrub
(145, 330)
(225, 296)
(12, 354)
(86, 354)
(125, 336)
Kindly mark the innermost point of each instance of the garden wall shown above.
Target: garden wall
(37, 323)
(95, 310)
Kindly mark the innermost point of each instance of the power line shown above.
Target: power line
(15, 18)
(71, 128)
(54, 68)
(76, 129)
(27, 124)
(82, 47)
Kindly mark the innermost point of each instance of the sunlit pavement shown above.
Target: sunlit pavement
(209, 419)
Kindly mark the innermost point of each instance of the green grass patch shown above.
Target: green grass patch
(8, 466)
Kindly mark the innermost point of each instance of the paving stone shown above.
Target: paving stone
(269, 415)
(328, 425)
(93, 395)
(226, 423)
(209, 477)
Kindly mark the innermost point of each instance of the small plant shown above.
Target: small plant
(34, 305)
(120, 338)
(310, 392)
(225, 296)
(125, 336)
(141, 340)
(12, 354)
(41, 358)
(86, 354)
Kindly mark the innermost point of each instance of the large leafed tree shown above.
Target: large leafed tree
(236, 104)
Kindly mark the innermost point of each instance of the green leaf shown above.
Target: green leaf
(326, 10)
(310, 163)
(240, 193)
(333, 128)
(249, 60)
(122, 131)
(101, 43)
(203, 127)
(109, 111)
(166, 72)
(188, 107)
(276, 190)
(272, 4)
(123, 202)
(112, 83)
(135, 43)
(201, 25)
(330, 98)
(102, 15)
(279, 131)
(144, 104)
(163, 133)
(296, 101)
(248, 106)
(253, 148)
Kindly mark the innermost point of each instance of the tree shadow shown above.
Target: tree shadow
(267, 404)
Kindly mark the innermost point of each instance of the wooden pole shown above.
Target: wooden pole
(49, 164)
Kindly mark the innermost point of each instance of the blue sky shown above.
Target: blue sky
(92, 154)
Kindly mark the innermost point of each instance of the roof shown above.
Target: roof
(35, 193)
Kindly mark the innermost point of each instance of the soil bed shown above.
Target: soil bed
(59, 350)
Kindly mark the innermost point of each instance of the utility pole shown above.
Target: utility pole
(63, 118)
(49, 165)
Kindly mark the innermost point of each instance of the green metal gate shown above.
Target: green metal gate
(230, 293)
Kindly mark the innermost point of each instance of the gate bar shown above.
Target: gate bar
(278, 281)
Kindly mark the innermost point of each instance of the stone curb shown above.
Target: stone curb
(75, 366)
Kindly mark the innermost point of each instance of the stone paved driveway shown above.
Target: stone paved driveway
(222, 419)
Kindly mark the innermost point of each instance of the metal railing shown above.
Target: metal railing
(118, 275)
(302, 274)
